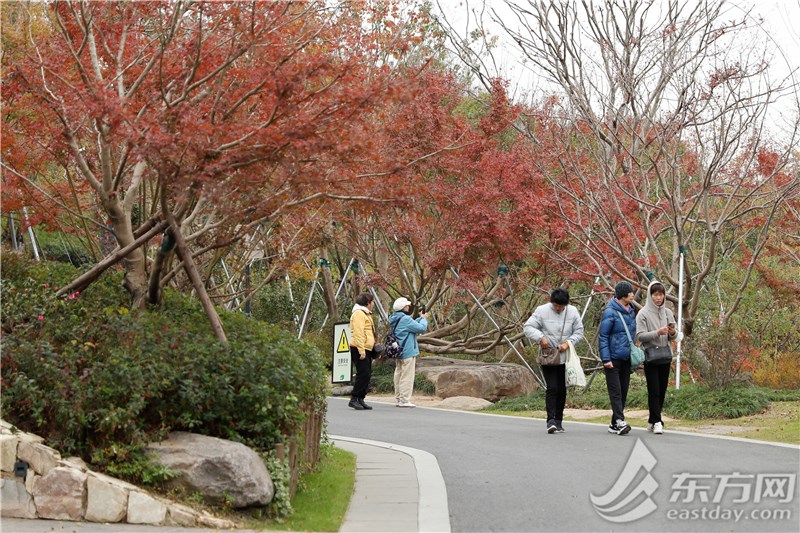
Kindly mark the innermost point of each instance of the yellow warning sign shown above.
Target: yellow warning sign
(344, 346)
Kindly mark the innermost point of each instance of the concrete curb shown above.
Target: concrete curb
(433, 513)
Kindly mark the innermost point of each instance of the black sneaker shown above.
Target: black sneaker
(364, 405)
(356, 405)
(551, 427)
(559, 427)
(620, 428)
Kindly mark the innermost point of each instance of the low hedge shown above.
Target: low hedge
(97, 380)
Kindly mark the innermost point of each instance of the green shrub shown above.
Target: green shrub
(88, 374)
(281, 474)
(695, 402)
(782, 395)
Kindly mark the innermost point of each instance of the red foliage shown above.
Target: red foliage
(258, 105)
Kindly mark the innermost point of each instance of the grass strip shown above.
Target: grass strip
(322, 496)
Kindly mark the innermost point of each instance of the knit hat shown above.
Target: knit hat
(622, 289)
(400, 303)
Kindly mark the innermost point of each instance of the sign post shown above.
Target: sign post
(342, 367)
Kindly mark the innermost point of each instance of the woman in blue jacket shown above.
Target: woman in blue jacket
(406, 330)
(615, 351)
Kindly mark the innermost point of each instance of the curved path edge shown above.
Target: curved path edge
(433, 513)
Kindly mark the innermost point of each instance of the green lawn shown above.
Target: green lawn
(322, 496)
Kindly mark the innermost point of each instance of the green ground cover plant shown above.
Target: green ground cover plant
(99, 381)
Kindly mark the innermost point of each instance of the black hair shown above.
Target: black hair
(364, 298)
(658, 287)
(559, 296)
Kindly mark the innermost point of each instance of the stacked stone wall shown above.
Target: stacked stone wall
(38, 483)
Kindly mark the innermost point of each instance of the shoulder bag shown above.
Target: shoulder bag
(551, 356)
(637, 354)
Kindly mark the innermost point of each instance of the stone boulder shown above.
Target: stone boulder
(490, 381)
(464, 403)
(60, 493)
(16, 502)
(221, 470)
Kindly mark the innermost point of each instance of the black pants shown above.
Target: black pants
(363, 372)
(556, 395)
(618, 379)
(657, 379)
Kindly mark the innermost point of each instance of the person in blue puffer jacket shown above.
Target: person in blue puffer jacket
(406, 330)
(615, 351)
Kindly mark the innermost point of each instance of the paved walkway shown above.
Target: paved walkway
(398, 489)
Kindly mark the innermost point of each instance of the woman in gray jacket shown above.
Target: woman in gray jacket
(655, 326)
(551, 326)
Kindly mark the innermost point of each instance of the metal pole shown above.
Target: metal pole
(505, 337)
(680, 321)
(235, 302)
(338, 290)
(291, 297)
(289, 285)
(308, 305)
(64, 244)
(525, 340)
(381, 310)
(30, 232)
(589, 300)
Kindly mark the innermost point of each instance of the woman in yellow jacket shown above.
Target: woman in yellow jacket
(362, 333)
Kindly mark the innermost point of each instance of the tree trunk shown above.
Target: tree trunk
(197, 282)
(328, 290)
(134, 262)
(118, 255)
(164, 253)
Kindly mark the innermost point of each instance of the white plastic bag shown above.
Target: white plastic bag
(575, 375)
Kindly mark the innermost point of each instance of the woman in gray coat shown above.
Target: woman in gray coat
(655, 327)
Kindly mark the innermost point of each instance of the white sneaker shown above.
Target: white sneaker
(406, 404)
(650, 428)
(658, 428)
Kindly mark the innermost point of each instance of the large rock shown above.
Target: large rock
(105, 501)
(8, 452)
(221, 470)
(144, 509)
(60, 493)
(39, 457)
(490, 381)
(465, 403)
(15, 502)
(181, 515)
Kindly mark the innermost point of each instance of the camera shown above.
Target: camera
(422, 309)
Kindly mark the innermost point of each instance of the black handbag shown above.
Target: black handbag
(658, 355)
